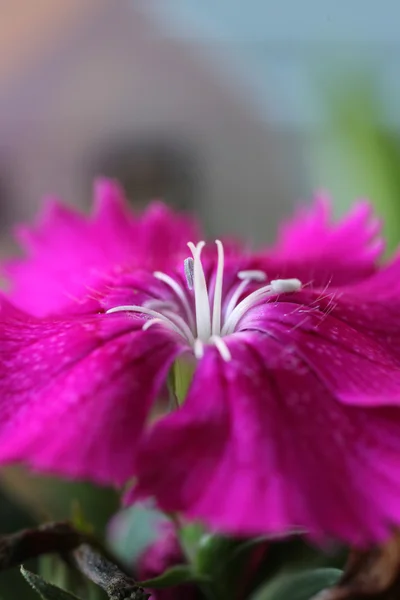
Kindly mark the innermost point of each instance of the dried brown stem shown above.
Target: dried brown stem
(18, 547)
(79, 549)
(107, 575)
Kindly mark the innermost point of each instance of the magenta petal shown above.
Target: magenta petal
(68, 254)
(75, 394)
(317, 250)
(267, 448)
(373, 305)
(356, 364)
(163, 236)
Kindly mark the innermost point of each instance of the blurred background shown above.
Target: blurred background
(234, 110)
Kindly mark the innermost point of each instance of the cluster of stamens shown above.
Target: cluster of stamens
(211, 319)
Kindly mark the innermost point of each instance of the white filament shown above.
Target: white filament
(178, 291)
(202, 303)
(160, 305)
(179, 322)
(217, 305)
(198, 348)
(247, 277)
(151, 322)
(221, 346)
(240, 309)
(204, 325)
(235, 297)
(157, 315)
(277, 286)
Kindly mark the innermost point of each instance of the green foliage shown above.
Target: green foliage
(172, 577)
(218, 563)
(51, 498)
(46, 590)
(12, 518)
(190, 537)
(357, 156)
(302, 585)
(53, 569)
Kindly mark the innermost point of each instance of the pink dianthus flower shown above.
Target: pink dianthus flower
(292, 415)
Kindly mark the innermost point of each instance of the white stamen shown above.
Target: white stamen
(181, 324)
(178, 291)
(235, 297)
(152, 322)
(133, 308)
(153, 313)
(160, 305)
(247, 276)
(198, 348)
(243, 307)
(252, 275)
(284, 286)
(221, 346)
(202, 304)
(216, 318)
(169, 309)
(277, 286)
(188, 266)
(203, 325)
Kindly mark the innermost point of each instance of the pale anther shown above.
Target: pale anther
(284, 286)
(188, 266)
(252, 275)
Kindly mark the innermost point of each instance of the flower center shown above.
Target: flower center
(213, 316)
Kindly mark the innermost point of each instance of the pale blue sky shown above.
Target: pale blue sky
(365, 21)
(280, 46)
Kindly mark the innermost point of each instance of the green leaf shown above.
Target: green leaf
(190, 537)
(243, 548)
(359, 156)
(213, 553)
(297, 586)
(47, 591)
(217, 559)
(53, 498)
(54, 570)
(173, 577)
